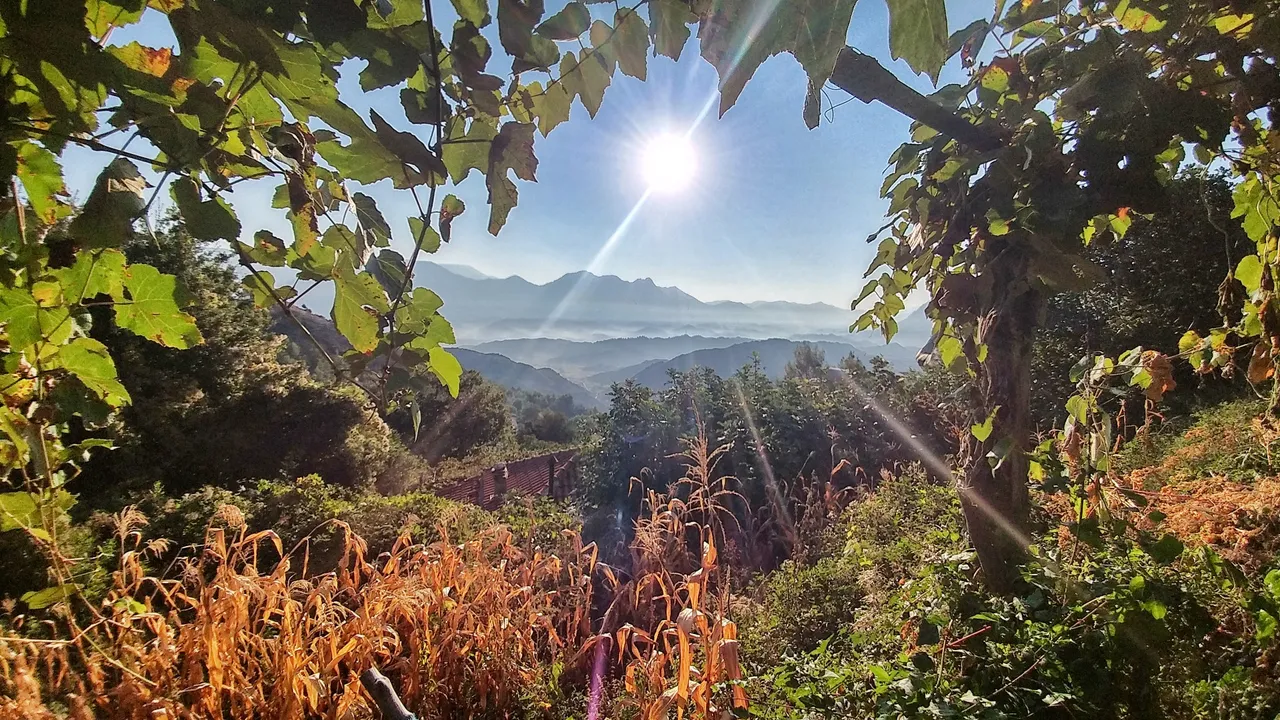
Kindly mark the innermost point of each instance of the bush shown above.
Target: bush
(801, 607)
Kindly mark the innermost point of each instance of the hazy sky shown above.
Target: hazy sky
(776, 211)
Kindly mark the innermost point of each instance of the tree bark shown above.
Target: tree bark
(993, 491)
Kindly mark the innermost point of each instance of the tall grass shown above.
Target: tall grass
(463, 630)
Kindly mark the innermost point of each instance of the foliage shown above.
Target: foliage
(436, 425)
(1155, 289)
(992, 228)
(1104, 633)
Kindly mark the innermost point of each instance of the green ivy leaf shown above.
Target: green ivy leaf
(91, 363)
(211, 219)
(669, 25)
(153, 311)
(447, 368)
(949, 349)
(358, 300)
(918, 34)
(567, 24)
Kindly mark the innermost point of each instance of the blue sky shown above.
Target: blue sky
(776, 211)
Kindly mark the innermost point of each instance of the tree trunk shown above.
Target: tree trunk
(993, 492)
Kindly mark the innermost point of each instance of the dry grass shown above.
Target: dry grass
(469, 630)
(459, 628)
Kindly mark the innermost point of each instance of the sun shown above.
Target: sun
(668, 163)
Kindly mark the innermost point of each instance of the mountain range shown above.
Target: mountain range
(582, 332)
(584, 306)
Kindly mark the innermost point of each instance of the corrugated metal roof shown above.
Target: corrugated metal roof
(531, 476)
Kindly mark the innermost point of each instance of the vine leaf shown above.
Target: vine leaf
(91, 363)
(390, 269)
(211, 219)
(475, 12)
(551, 106)
(424, 234)
(631, 43)
(409, 149)
(918, 34)
(152, 310)
(468, 148)
(451, 208)
(447, 368)
(669, 26)
(116, 200)
(93, 273)
(567, 24)
(357, 301)
(28, 321)
(516, 20)
(41, 177)
(414, 316)
(512, 149)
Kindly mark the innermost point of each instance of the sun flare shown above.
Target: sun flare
(668, 163)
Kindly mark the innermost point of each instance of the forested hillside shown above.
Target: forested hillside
(236, 394)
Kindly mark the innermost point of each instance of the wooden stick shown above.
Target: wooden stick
(863, 77)
(384, 695)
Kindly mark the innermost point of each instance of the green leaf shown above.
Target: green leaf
(18, 510)
(116, 201)
(205, 219)
(516, 20)
(374, 230)
(1249, 272)
(95, 272)
(1258, 210)
(1166, 550)
(949, 348)
(257, 285)
(588, 78)
(669, 25)
(447, 368)
(102, 15)
(389, 268)
(631, 43)
(153, 311)
(40, 599)
(423, 233)
(567, 24)
(358, 300)
(91, 363)
(1272, 584)
(551, 107)
(414, 315)
(469, 149)
(452, 206)
(475, 12)
(1078, 408)
(41, 177)
(28, 321)
(983, 430)
(511, 150)
(918, 34)
(1266, 626)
